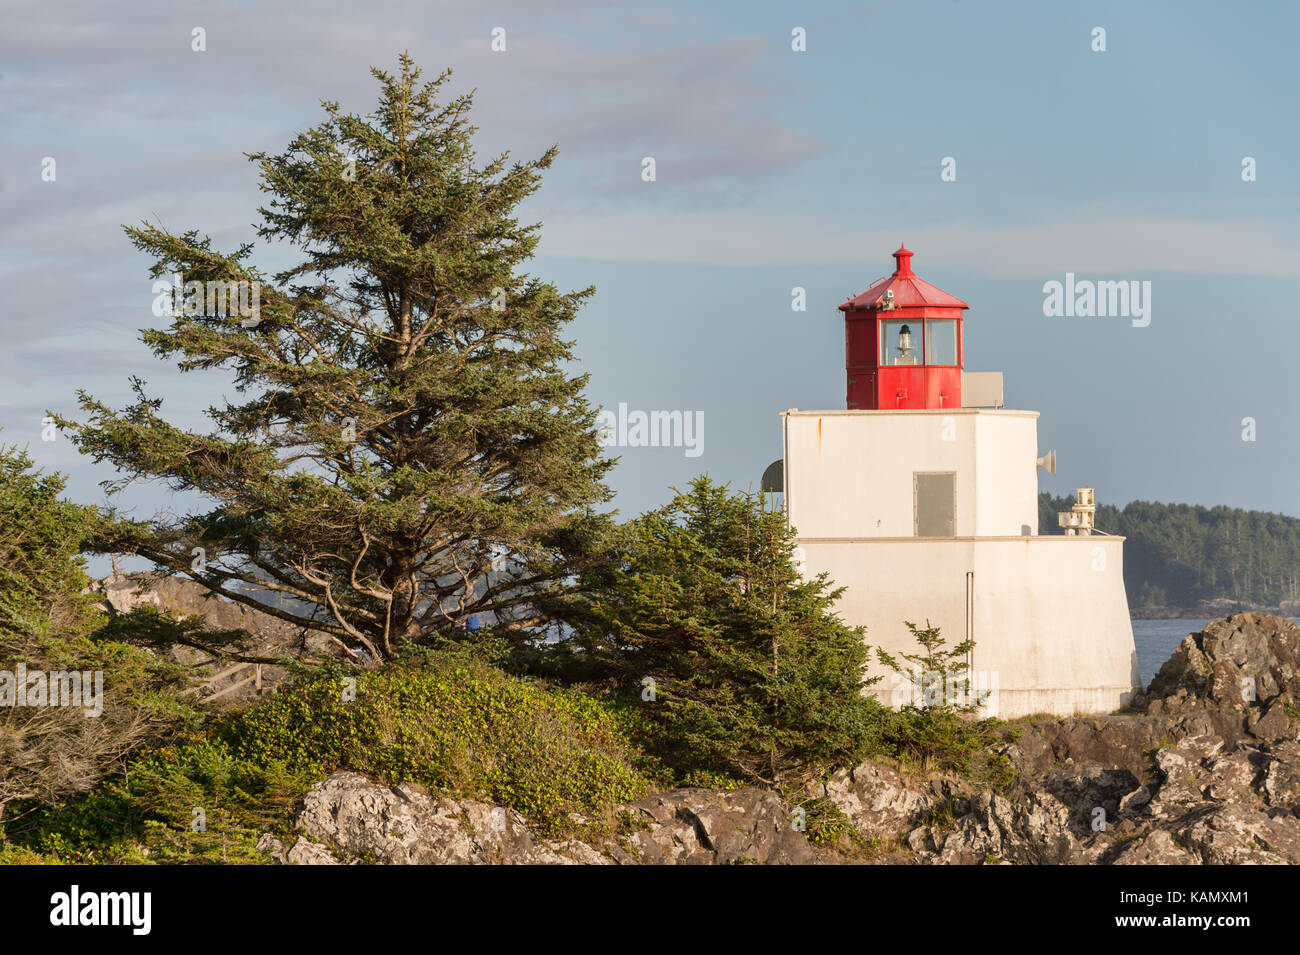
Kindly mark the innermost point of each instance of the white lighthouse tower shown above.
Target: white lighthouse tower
(921, 499)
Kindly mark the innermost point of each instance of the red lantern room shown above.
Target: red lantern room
(903, 343)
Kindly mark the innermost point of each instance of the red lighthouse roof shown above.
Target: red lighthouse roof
(909, 290)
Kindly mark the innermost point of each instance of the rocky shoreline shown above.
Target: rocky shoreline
(1211, 611)
(1204, 770)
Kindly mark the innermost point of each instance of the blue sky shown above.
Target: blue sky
(775, 169)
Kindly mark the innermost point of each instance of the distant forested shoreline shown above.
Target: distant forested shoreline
(1188, 560)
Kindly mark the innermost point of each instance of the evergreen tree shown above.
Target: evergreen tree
(937, 728)
(940, 675)
(737, 666)
(408, 453)
(111, 698)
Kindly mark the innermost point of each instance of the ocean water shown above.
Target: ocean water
(1157, 639)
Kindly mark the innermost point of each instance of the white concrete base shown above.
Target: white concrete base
(1049, 615)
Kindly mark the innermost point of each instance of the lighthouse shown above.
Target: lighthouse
(903, 343)
(920, 499)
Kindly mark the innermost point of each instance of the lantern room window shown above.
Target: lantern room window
(941, 341)
(902, 342)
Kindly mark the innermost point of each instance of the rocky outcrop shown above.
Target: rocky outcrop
(123, 593)
(879, 801)
(703, 827)
(261, 635)
(1206, 771)
(349, 818)
(1205, 804)
(1212, 609)
(1241, 672)
(1238, 680)
(1033, 829)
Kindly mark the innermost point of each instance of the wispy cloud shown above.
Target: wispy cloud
(1079, 240)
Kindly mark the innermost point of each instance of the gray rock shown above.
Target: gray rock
(1135, 800)
(1233, 777)
(260, 634)
(306, 852)
(361, 819)
(703, 827)
(1035, 829)
(1086, 788)
(1241, 671)
(1181, 773)
(1271, 723)
(1239, 835)
(1154, 848)
(272, 846)
(878, 800)
(1280, 785)
(349, 818)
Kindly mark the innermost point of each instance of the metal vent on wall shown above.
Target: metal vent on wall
(934, 494)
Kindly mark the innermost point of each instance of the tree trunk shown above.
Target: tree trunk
(405, 628)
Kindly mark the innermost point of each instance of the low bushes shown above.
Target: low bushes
(452, 724)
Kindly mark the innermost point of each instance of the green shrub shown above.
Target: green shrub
(191, 802)
(454, 725)
(937, 738)
(451, 723)
(828, 827)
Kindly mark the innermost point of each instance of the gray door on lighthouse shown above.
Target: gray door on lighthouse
(934, 496)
